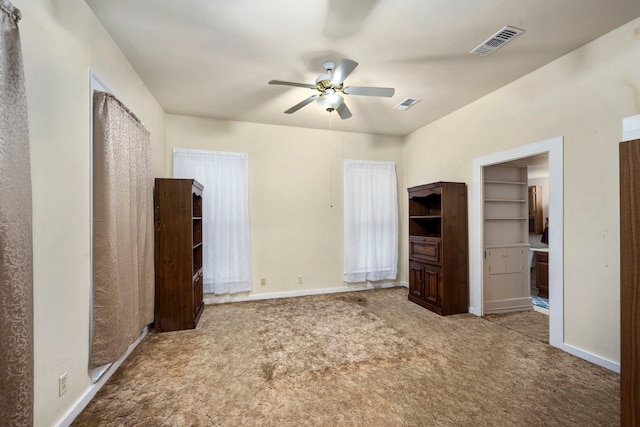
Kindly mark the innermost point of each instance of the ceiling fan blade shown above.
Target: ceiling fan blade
(343, 111)
(299, 105)
(344, 68)
(280, 82)
(369, 91)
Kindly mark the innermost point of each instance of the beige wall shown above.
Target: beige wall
(61, 42)
(295, 193)
(583, 96)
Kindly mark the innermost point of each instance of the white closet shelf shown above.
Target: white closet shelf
(506, 200)
(507, 182)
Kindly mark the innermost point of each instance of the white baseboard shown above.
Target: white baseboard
(508, 305)
(541, 310)
(94, 388)
(590, 357)
(221, 299)
(475, 312)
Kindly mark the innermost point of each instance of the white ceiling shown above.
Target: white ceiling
(213, 58)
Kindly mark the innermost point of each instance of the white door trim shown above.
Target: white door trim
(554, 148)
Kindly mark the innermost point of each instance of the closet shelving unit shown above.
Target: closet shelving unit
(506, 239)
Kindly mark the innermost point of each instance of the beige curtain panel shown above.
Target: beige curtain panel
(16, 253)
(123, 274)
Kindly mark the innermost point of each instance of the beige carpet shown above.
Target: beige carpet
(368, 358)
(530, 323)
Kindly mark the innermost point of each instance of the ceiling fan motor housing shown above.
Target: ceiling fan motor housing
(324, 80)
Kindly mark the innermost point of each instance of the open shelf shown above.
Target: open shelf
(427, 206)
(425, 214)
(425, 226)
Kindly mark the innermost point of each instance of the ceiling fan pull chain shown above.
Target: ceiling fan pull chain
(330, 163)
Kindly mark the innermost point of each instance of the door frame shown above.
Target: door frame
(554, 148)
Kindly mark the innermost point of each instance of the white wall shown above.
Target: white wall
(61, 42)
(295, 194)
(583, 96)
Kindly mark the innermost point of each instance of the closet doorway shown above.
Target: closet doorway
(553, 149)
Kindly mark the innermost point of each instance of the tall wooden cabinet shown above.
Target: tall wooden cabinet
(178, 253)
(438, 247)
(630, 283)
(535, 209)
(542, 273)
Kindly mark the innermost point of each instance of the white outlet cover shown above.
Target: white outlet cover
(62, 384)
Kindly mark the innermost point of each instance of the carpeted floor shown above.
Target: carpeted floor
(530, 323)
(368, 358)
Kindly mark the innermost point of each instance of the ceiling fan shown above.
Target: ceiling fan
(331, 85)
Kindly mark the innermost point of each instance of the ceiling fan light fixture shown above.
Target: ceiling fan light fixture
(329, 101)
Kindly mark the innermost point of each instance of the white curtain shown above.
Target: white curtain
(225, 212)
(370, 221)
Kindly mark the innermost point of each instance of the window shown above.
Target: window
(370, 221)
(225, 212)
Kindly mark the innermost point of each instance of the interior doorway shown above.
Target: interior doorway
(554, 149)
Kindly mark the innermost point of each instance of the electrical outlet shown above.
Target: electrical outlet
(62, 384)
(299, 280)
(263, 282)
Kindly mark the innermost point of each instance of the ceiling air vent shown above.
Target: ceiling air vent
(407, 103)
(497, 40)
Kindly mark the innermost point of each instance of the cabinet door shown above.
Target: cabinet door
(505, 286)
(495, 260)
(416, 279)
(495, 287)
(432, 285)
(516, 287)
(542, 276)
(516, 259)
